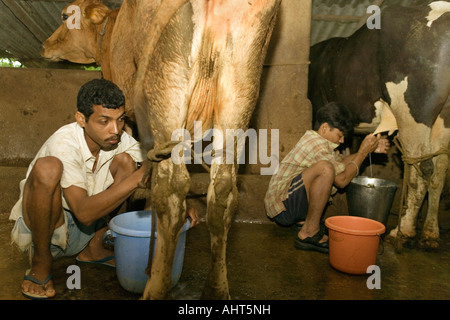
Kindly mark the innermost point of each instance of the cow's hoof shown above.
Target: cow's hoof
(428, 243)
(210, 293)
(399, 243)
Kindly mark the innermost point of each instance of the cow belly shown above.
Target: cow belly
(414, 134)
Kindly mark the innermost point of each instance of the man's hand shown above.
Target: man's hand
(383, 145)
(373, 143)
(192, 214)
(144, 172)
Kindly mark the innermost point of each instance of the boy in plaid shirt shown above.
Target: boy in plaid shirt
(307, 177)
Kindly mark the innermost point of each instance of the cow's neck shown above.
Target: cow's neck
(104, 40)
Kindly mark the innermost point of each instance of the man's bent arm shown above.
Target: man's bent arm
(88, 209)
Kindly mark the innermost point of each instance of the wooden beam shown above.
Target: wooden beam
(340, 18)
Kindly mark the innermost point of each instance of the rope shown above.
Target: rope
(408, 162)
(414, 161)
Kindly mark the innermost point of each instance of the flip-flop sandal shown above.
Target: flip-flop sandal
(103, 262)
(35, 296)
(312, 243)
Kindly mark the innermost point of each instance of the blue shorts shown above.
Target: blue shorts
(296, 204)
(67, 240)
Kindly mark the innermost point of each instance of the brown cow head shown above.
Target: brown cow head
(77, 38)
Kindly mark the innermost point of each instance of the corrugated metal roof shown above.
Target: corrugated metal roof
(25, 24)
(322, 30)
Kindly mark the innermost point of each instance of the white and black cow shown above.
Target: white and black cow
(399, 73)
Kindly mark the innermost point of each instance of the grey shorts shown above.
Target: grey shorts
(67, 240)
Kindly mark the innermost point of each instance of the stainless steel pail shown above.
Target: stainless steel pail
(371, 198)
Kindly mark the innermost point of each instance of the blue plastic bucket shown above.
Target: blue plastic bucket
(131, 231)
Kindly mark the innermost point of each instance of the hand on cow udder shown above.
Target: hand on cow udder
(372, 143)
(193, 216)
(383, 145)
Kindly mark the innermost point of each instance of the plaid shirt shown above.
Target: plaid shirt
(310, 149)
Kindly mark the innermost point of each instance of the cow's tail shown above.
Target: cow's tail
(160, 20)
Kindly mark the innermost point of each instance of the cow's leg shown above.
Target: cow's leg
(417, 188)
(232, 52)
(430, 230)
(440, 138)
(169, 189)
(161, 111)
(221, 207)
(415, 140)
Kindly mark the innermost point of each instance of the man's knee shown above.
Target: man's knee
(47, 171)
(326, 168)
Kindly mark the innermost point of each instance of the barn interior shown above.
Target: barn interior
(263, 264)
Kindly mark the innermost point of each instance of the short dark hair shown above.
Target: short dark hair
(99, 92)
(337, 116)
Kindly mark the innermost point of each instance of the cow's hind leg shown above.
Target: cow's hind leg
(169, 189)
(430, 230)
(416, 191)
(222, 203)
(440, 138)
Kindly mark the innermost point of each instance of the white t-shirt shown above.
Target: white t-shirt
(68, 144)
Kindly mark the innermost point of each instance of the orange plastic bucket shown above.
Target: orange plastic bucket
(353, 243)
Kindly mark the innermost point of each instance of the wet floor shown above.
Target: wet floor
(262, 265)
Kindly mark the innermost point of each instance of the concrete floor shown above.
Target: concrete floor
(262, 265)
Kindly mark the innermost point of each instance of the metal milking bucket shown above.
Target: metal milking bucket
(371, 198)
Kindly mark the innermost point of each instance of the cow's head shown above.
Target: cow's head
(77, 37)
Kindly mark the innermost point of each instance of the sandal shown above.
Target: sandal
(35, 296)
(312, 243)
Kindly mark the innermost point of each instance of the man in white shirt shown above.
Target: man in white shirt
(83, 172)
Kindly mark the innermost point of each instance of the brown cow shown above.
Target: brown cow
(177, 62)
(87, 44)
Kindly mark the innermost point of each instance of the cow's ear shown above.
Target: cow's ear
(96, 12)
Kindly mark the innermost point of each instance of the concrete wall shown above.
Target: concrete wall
(34, 103)
(283, 103)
